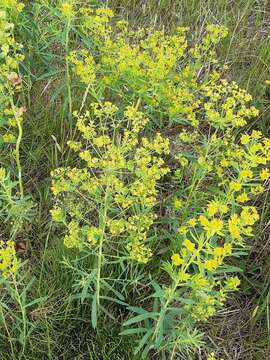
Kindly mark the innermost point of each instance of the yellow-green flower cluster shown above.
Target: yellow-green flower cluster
(236, 171)
(119, 164)
(77, 235)
(96, 22)
(12, 5)
(244, 165)
(67, 9)
(9, 263)
(84, 66)
(165, 71)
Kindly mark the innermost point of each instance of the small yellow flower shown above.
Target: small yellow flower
(232, 283)
(67, 10)
(183, 276)
(176, 260)
(245, 174)
(213, 226)
(223, 208)
(185, 136)
(211, 264)
(256, 135)
(189, 245)
(57, 214)
(200, 281)
(203, 220)
(235, 186)
(234, 226)
(227, 249)
(211, 357)
(9, 138)
(224, 163)
(249, 215)
(245, 139)
(265, 174)
(177, 203)
(192, 222)
(182, 230)
(219, 251)
(257, 189)
(212, 208)
(215, 206)
(102, 140)
(242, 198)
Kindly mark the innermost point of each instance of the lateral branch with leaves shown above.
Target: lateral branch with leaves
(15, 207)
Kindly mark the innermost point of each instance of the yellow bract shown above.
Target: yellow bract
(67, 9)
(176, 260)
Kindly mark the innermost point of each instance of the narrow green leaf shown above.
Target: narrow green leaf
(117, 293)
(143, 341)
(94, 311)
(133, 331)
(228, 269)
(113, 300)
(139, 318)
(137, 310)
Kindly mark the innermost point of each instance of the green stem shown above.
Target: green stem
(171, 296)
(22, 312)
(165, 307)
(17, 156)
(84, 97)
(100, 251)
(44, 255)
(195, 183)
(18, 143)
(67, 65)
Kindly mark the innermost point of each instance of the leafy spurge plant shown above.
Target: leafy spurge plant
(14, 207)
(180, 204)
(108, 203)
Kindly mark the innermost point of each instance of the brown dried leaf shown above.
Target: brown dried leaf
(21, 246)
(14, 78)
(21, 110)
